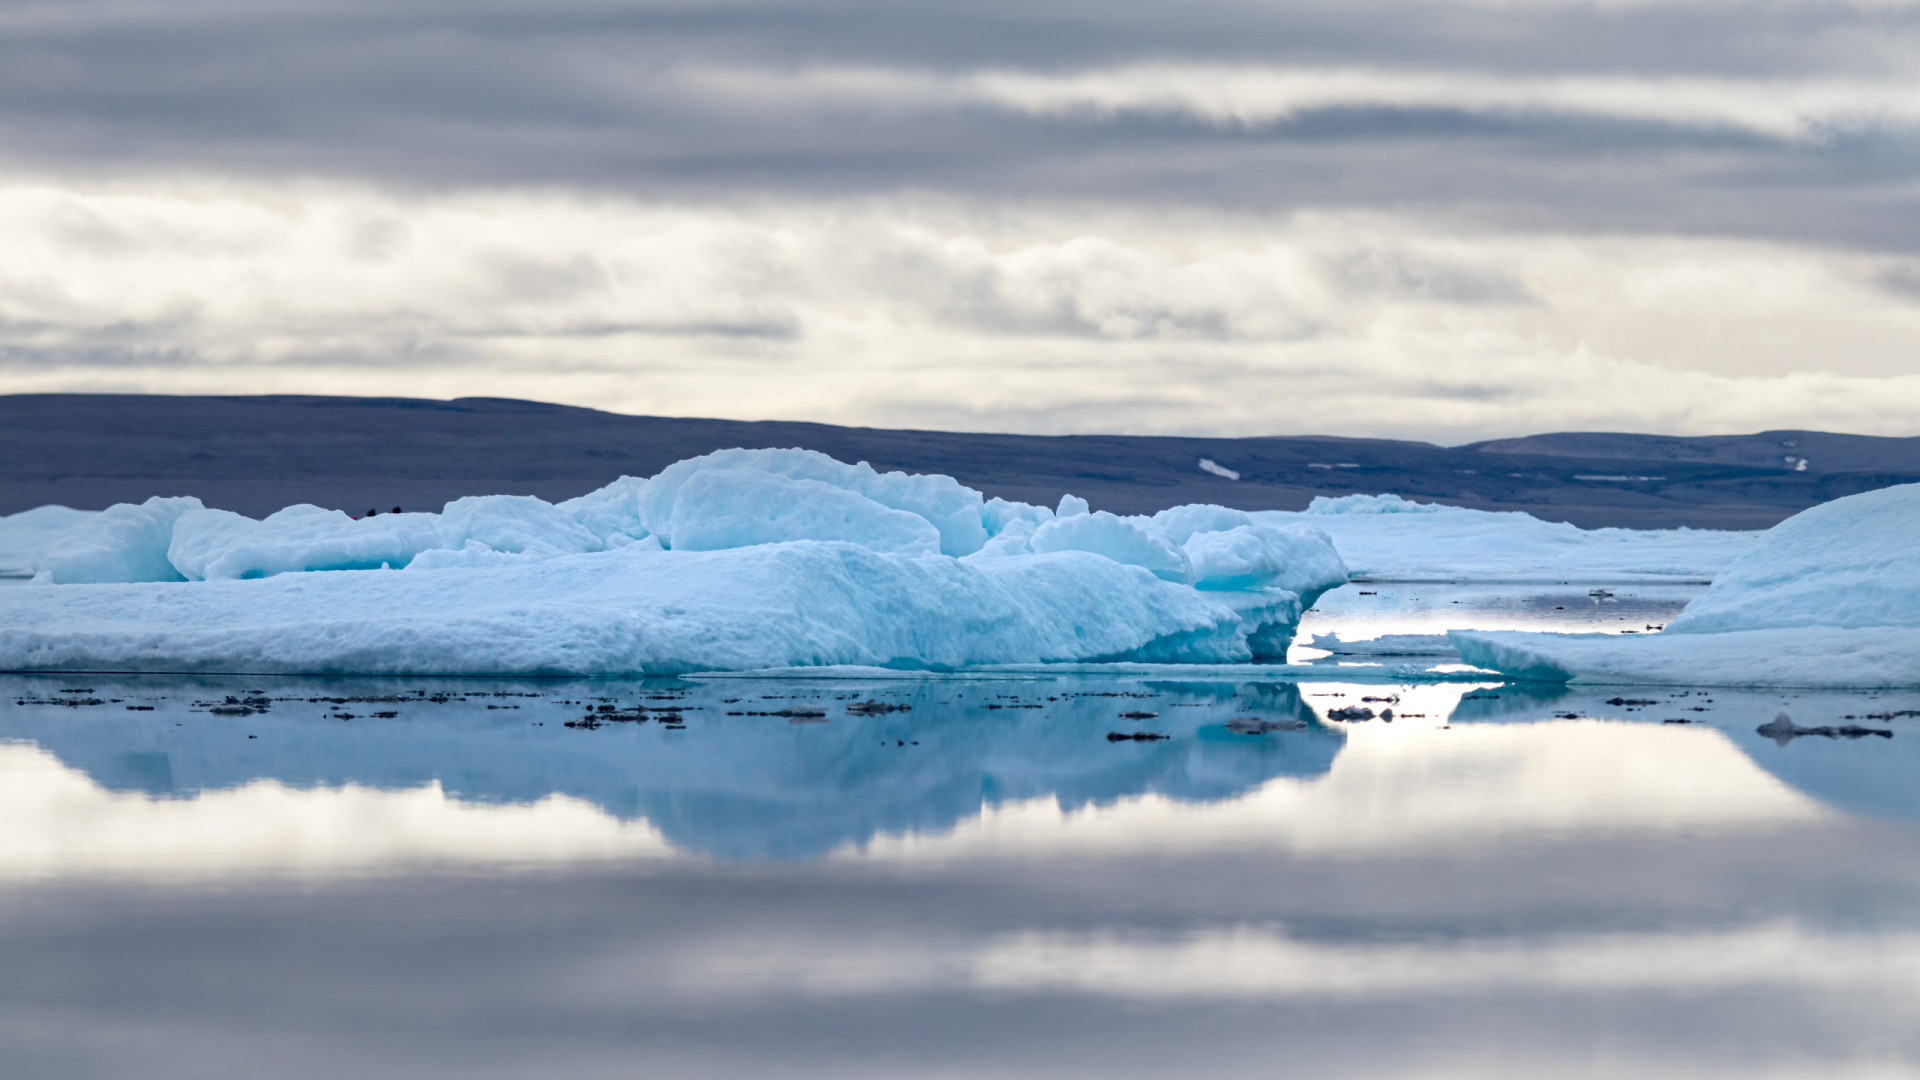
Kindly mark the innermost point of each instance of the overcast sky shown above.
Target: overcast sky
(1446, 220)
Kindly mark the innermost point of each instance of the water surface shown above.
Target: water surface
(956, 876)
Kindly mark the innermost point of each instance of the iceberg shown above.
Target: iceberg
(1389, 538)
(742, 559)
(1828, 598)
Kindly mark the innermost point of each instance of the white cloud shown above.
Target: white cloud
(1783, 106)
(946, 313)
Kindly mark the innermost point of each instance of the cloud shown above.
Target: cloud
(1250, 96)
(1457, 219)
(960, 314)
(1788, 121)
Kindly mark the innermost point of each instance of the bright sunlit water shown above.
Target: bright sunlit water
(1373, 609)
(962, 876)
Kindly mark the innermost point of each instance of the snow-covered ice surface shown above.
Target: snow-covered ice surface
(1387, 538)
(1828, 598)
(637, 610)
(739, 559)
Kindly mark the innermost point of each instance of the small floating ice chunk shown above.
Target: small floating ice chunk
(1208, 465)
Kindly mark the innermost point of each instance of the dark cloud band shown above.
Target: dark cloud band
(1785, 121)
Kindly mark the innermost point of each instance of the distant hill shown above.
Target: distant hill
(257, 454)
(1822, 451)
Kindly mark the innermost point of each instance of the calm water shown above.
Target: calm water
(727, 877)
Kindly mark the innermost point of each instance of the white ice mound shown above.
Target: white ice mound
(1828, 598)
(953, 511)
(718, 509)
(22, 535)
(1853, 562)
(121, 543)
(742, 559)
(1256, 556)
(1386, 537)
(213, 545)
(1129, 541)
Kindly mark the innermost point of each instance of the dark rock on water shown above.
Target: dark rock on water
(1136, 736)
(870, 707)
(1253, 725)
(248, 706)
(1783, 730)
(1351, 713)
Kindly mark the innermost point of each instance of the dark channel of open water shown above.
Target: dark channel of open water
(962, 876)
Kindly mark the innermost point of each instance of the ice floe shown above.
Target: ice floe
(1828, 598)
(742, 559)
(1386, 537)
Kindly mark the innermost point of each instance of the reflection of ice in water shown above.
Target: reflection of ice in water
(716, 768)
(1475, 888)
(1867, 775)
(317, 796)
